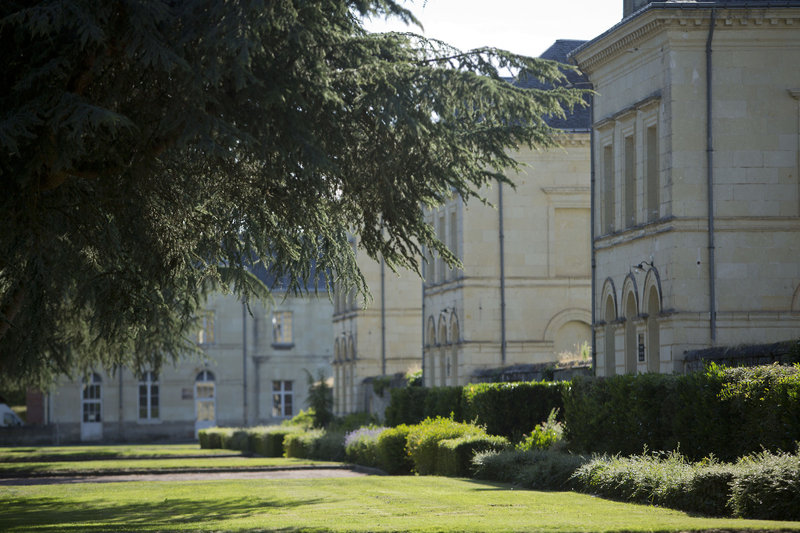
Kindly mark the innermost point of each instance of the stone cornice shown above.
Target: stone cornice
(625, 36)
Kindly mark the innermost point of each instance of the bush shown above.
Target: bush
(497, 406)
(300, 444)
(392, 453)
(454, 456)
(407, 406)
(361, 446)
(423, 440)
(353, 421)
(240, 440)
(215, 437)
(544, 436)
(267, 441)
(767, 486)
(665, 479)
(328, 447)
(727, 412)
(445, 402)
(531, 469)
(303, 419)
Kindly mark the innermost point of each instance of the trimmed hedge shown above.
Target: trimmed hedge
(531, 469)
(392, 454)
(767, 486)
(727, 412)
(423, 439)
(454, 456)
(361, 446)
(267, 441)
(506, 409)
(315, 444)
(212, 438)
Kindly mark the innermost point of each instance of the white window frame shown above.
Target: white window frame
(149, 391)
(282, 390)
(282, 329)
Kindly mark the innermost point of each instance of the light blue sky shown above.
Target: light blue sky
(526, 27)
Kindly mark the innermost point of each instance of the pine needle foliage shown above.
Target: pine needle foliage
(152, 149)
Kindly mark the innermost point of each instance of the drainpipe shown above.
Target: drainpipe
(244, 363)
(592, 209)
(502, 276)
(710, 182)
(383, 317)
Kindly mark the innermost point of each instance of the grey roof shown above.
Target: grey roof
(580, 117)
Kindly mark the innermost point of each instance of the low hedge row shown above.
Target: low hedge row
(727, 412)
(506, 409)
(266, 441)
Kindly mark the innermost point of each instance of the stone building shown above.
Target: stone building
(255, 372)
(696, 199)
(523, 294)
(380, 339)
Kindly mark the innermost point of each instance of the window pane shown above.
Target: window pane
(287, 385)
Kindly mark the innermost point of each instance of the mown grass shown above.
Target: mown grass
(344, 504)
(80, 453)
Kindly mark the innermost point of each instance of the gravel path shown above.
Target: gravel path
(297, 473)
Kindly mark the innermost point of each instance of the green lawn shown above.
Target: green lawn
(343, 504)
(79, 453)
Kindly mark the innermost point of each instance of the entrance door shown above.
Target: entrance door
(92, 409)
(205, 401)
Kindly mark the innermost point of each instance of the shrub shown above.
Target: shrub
(444, 402)
(532, 469)
(267, 441)
(239, 440)
(203, 438)
(328, 447)
(361, 446)
(727, 412)
(767, 486)
(454, 456)
(544, 436)
(392, 453)
(407, 406)
(497, 406)
(303, 419)
(353, 421)
(216, 437)
(665, 479)
(423, 439)
(300, 444)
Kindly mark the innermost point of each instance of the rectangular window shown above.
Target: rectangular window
(653, 186)
(630, 181)
(282, 399)
(608, 189)
(148, 397)
(282, 328)
(205, 333)
(453, 240)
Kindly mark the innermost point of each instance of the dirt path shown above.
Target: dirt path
(304, 473)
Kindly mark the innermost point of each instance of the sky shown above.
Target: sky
(525, 27)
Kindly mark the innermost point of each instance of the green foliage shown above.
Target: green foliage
(544, 436)
(510, 409)
(315, 444)
(392, 453)
(267, 441)
(423, 439)
(728, 412)
(454, 456)
(211, 438)
(767, 486)
(155, 151)
(353, 421)
(665, 479)
(320, 400)
(361, 446)
(304, 419)
(531, 469)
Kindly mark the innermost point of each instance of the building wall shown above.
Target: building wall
(243, 376)
(378, 337)
(651, 72)
(546, 266)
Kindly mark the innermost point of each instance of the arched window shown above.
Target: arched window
(653, 335)
(630, 333)
(609, 344)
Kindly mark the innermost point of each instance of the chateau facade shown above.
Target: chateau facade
(523, 294)
(696, 198)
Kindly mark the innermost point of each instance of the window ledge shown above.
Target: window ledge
(282, 345)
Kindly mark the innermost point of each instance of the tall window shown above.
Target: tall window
(282, 328)
(630, 181)
(92, 400)
(453, 240)
(281, 398)
(608, 189)
(205, 334)
(148, 396)
(440, 233)
(653, 200)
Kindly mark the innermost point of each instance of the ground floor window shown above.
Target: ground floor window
(92, 399)
(282, 398)
(148, 396)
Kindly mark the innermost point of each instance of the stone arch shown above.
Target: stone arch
(653, 302)
(652, 282)
(337, 351)
(442, 341)
(630, 309)
(609, 315)
(609, 294)
(351, 348)
(441, 337)
(796, 300)
(455, 334)
(430, 336)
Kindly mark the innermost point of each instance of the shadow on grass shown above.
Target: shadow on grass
(50, 514)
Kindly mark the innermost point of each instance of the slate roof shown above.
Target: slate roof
(580, 117)
(280, 283)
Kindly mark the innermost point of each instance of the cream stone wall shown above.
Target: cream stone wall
(239, 373)
(546, 267)
(380, 337)
(650, 71)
